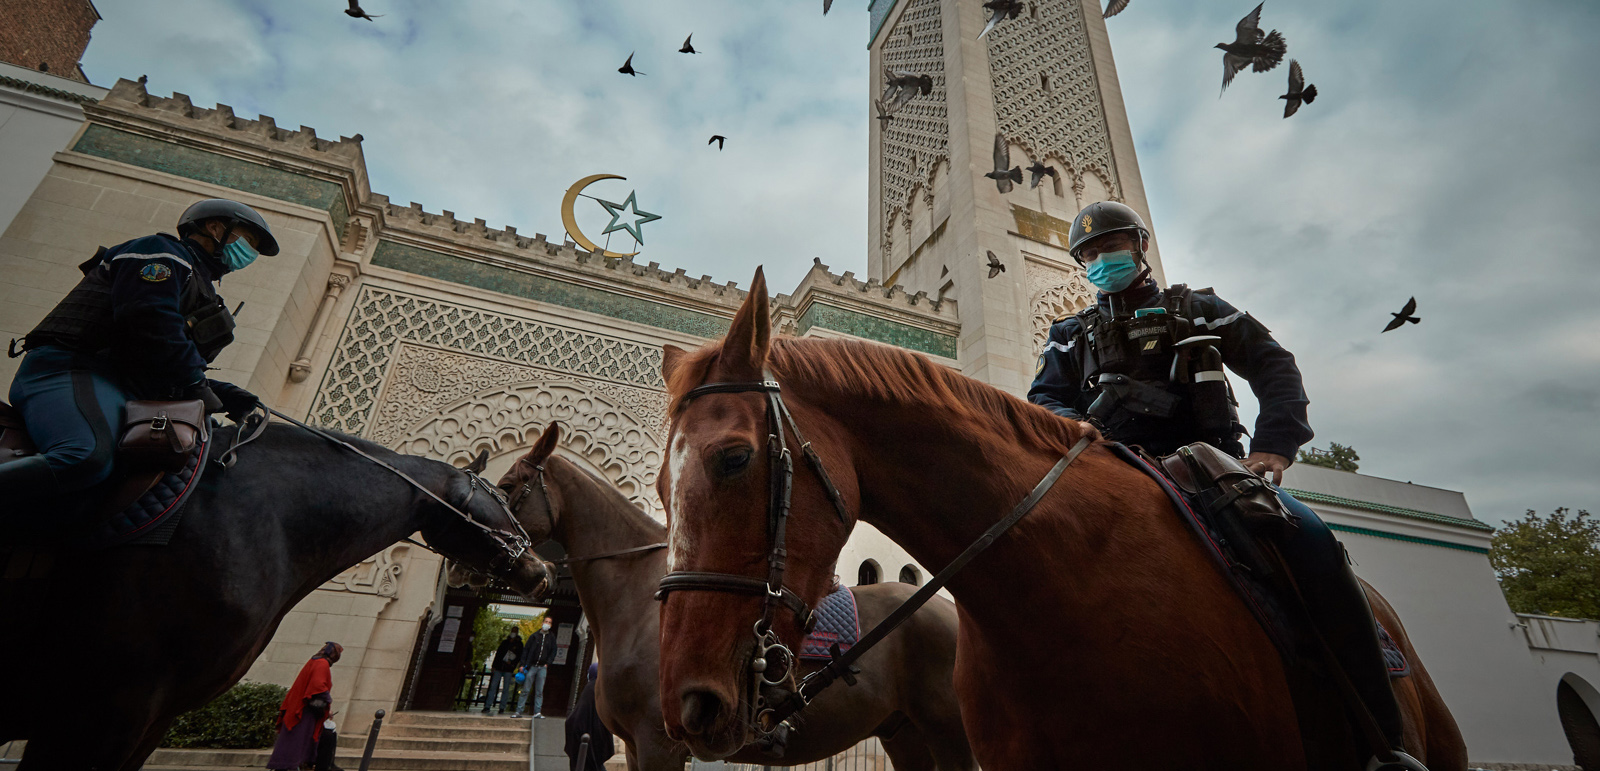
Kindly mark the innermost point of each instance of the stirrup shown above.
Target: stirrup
(1401, 762)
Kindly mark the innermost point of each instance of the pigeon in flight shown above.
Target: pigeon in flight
(355, 12)
(1000, 10)
(1404, 315)
(996, 267)
(627, 67)
(826, 4)
(1298, 90)
(687, 48)
(884, 115)
(1113, 8)
(1003, 177)
(1040, 171)
(718, 138)
(902, 87)
(1251, 47)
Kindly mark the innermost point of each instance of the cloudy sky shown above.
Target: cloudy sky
(1454, 155)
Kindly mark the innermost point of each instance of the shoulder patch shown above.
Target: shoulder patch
(155, 271)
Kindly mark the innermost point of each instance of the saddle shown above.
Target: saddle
(838, 623)
(159, 459)
(1219, 481)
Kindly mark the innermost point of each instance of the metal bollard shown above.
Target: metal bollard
(372, 740)
(583, 753)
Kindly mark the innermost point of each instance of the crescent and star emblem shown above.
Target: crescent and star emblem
(624, 216)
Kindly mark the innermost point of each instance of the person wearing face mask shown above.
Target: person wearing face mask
(142, 324)
(1118, 364)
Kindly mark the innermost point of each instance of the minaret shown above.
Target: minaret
(1046, 82)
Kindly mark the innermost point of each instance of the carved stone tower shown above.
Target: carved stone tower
(1045, 81)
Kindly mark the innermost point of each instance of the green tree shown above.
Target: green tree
(1550, 565)
(489, 629)
(1337, 456)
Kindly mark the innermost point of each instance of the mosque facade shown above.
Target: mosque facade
(437, 335)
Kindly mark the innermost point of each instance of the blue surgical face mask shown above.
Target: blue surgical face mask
(1113, 271)
(238, 254)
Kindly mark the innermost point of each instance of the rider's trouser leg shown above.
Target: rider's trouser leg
(72, 410)
(1339, 608)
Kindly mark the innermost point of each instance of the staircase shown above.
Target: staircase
(408, 741)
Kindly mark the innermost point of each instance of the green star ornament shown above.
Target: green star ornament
(617, 210)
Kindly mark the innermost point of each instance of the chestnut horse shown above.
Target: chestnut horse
(1094, 634)
(904, 697)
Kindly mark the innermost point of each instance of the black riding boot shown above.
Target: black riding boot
(1339, 608)
(25, 487)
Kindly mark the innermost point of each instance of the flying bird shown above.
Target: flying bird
(1000, 10)
(902, 87)
(884, 115)
(1298, 90)
(718, 138)
(996, 267)
(627, 67)
(355, 12)
(1404, 315)
(1040, 171)
(1251, 47)
(687, 48)
(1003, 178)
(1113, 8)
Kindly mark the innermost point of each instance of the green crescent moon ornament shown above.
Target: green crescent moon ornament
(570, 221)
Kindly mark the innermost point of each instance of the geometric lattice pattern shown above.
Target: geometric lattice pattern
(1056, 292)
(1046, 96)
(918, 138)
(383, 318)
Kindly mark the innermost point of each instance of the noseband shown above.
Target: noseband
(769, 650)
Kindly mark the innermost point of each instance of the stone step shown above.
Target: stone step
(382, 760)
(452, 720)
(450, 744)
(505, 732)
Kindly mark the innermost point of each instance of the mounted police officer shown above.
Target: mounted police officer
(1145, 366)
(142, 324)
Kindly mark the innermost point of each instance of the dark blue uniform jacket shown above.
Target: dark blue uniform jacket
(152, 349)
(1247, 348)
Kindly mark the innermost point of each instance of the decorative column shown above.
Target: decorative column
(301, 368)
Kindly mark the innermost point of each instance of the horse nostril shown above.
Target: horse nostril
(701, 710)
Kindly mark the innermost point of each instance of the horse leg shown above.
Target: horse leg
(909, 750)
(152, 740)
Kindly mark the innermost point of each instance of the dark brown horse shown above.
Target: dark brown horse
(904, 694)
(1094, 634)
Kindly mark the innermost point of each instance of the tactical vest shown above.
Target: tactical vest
(84, 320)
(1154, 405)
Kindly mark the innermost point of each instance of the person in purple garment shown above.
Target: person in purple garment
(305, 707)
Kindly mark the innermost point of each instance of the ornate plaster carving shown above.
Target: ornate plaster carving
(918, 139)
(1056, 292)
(378, 574)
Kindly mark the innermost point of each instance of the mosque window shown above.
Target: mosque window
(868, 573)
(910, 575)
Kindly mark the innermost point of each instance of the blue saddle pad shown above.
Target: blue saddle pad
(837, 622)
(152, 519)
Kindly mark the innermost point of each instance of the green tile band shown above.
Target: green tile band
(872, 328)
(1406, 538)
(1426, 516)
(201, 165)
(445, 267)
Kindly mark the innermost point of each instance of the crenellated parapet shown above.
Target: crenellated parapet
(839, 303)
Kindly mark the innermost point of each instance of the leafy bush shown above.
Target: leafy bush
(244, 718)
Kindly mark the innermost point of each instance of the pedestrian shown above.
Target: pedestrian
(536, 658)
(301, 715)
(501, 671)
(585, 719)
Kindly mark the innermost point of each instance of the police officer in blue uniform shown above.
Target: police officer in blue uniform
(142, 324)
(1123, 365)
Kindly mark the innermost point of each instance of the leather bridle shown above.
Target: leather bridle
(526, 488)
(774, 704)
(769, 650)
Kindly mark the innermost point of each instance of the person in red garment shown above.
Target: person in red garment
(303, 711)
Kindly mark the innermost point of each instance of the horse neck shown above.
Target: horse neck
(595, 518)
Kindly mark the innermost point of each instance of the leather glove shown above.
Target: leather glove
(236, 401)
(199, 390)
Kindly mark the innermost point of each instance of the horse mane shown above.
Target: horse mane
(891, 376)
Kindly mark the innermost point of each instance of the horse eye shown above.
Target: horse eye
(735, 460)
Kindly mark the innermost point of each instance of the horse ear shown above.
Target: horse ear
(750, 334)
(545, 445)
(479, 463)
(671, 357)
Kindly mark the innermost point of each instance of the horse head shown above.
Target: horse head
(742, 576)
(488, 543)
(530, 498)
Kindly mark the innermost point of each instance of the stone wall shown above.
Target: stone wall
(47, 35)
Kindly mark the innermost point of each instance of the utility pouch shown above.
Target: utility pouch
(161, 435)
(211, 328)
(1225, 489)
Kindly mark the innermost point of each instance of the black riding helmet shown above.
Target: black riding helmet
(234, 213)
(1098, 219)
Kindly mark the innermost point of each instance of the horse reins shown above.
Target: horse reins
(513, 545)
(550, 514)
(769, 715)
